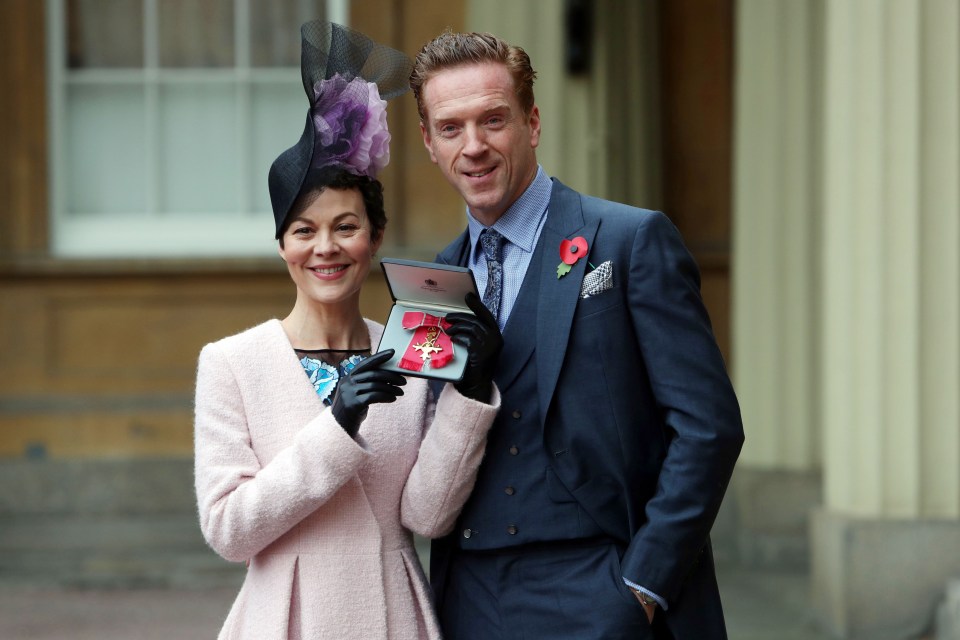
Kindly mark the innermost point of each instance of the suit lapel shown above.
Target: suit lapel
(517, 345)
(558, 296)
(457, 252)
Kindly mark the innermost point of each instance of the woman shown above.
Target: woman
(312, 464)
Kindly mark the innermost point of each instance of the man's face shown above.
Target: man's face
(479, 136)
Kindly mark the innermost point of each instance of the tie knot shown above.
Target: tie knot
(492, 243)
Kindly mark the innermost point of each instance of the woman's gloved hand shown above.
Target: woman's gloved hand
(366, 384)
(481, 336)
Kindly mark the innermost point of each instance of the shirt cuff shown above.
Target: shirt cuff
(660, 601)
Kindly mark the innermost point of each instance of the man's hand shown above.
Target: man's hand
(480, 334)
(649, 609)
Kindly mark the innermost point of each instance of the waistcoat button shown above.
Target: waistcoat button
(509, 491)
(514, 451)
(517, 414)
(467, 533)
(512, 530)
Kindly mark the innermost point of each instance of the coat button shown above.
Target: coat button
(467, 533)
(512, 530)
(509, 491)
(514, 451)
(517, 414)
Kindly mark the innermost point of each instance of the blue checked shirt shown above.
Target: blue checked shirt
(521, 225)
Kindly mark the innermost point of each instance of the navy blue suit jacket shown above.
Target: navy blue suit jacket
(637, 411)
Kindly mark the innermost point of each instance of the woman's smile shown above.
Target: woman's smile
(328, 273)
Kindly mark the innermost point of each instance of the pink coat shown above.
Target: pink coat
(325, 521)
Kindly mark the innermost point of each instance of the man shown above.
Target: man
(619, 430)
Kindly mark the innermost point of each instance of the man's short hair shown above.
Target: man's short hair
(451, 49)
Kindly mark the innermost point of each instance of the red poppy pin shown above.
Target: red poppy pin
(570, 252)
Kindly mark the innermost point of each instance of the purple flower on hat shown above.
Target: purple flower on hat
(373, 147)
(351, 125)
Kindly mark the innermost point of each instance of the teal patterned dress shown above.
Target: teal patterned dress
(325, 367)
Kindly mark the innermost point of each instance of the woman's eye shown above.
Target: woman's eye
(347, 228)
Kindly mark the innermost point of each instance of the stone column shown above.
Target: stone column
(889, 535)
(777, 225)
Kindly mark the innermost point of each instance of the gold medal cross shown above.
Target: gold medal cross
(429, 344)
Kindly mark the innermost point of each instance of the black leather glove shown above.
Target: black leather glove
(363, 386)
(481, 336)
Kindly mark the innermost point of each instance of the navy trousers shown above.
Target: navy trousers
(555, 591)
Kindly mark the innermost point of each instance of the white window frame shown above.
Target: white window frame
(160, 234)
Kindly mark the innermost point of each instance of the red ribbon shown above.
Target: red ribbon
(430, 341)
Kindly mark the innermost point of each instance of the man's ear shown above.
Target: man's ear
(427, 141)
(534, 121)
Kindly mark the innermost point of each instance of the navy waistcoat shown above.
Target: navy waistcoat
(518, 498)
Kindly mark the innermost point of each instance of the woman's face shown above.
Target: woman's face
(329, 246)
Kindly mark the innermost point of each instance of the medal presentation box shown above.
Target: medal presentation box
(423, 294)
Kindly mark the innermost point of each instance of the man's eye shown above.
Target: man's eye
(448, 130)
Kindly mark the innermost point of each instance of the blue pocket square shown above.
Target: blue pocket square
(598, 280)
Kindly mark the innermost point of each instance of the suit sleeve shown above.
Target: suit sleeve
(446, 468)
(697, 403)
(244, 504)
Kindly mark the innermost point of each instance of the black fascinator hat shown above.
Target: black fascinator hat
(347, 78)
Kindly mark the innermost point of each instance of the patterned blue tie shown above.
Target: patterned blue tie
(492, 243)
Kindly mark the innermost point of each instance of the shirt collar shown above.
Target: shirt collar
(519, 224)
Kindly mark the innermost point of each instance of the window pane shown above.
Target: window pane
(104, 33)
(183, 154)
(199, 166)
(275, 30)
(196, 33)
(279, 113)
(105, 148)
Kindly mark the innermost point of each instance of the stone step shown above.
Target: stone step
(110, 551)
(84, 487)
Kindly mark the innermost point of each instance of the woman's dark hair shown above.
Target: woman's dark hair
(317, 180)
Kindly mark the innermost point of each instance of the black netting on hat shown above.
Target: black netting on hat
(329, 49)
(346, 124)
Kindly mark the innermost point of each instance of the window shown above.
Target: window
(164, 118)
